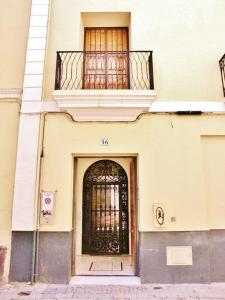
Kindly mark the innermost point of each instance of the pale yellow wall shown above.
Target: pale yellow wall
(170, 165)
(9, 118)
(14, 25)
(99, 19)
(187, 38)
(14, 22)
(213, 148)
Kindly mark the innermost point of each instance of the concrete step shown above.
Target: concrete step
(105, 280)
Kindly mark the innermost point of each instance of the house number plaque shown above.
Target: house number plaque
(104, 141)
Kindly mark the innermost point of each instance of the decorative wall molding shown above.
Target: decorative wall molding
(174, 106)
(11, 93)
(124, 105)
(64, 104)
(29, 107)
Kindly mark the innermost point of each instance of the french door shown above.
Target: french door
(105, 210)
(106, 64)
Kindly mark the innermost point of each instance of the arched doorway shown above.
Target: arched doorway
(105, 226)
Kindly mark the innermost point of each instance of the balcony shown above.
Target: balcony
(104, 85)
(104, 70)
(222, 69)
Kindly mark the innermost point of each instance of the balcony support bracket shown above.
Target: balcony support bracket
(104, 105)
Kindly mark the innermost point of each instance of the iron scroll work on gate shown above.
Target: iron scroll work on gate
(105, 210)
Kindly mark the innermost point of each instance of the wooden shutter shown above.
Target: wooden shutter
(106, 58)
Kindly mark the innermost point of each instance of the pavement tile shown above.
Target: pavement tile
(84, 298)
(147, 298)
(176, 298)
(143, 292)
(8, 296)
(48, 296)
(27, 298)
(64, 296)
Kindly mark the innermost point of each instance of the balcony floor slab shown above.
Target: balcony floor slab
(104, 105)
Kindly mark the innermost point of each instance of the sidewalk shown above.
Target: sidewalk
(113, 292)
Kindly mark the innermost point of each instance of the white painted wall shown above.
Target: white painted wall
(26, 177)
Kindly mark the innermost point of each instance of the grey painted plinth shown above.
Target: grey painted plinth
(217, 255)
(21, 256)
(153, 268)
(54, 257)
(3, 251)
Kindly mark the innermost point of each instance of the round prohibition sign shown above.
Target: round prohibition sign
(48, 200)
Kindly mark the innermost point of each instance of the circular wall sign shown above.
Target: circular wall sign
(160, 215)
(48, 200)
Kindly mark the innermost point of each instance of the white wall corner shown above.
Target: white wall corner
(32, 93)
(25, 179)
(28, 139)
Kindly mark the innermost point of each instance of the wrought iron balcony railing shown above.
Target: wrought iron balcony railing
(222, 69)
(104, 70)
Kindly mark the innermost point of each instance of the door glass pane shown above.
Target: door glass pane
(95, 40)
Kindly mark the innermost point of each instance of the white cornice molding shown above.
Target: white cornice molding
(124, 105)
(174, 106)
(104, 96)
(107, 110)
(37, 107)
(11, 93)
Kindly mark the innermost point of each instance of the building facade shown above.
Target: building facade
(112, 135)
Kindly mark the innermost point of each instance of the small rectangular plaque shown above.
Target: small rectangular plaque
(179, 256)
(47, 207)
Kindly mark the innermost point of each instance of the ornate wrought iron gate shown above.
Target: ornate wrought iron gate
(105, 209)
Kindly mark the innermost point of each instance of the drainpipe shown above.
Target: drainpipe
(34, 273)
